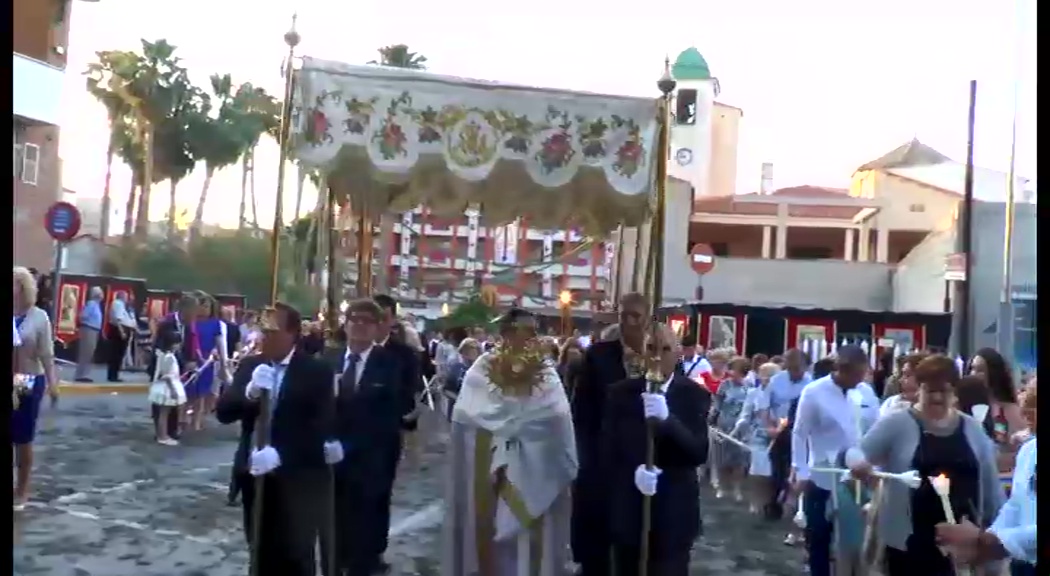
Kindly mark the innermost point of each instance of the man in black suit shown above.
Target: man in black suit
(676, 413)
(293, 462)
(603, 364)
(371, 404)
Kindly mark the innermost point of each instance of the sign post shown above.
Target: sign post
(62, 223)
(702, 258)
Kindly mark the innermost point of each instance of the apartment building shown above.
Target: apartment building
(41, 33)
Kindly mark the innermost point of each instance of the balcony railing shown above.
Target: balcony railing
(37, 91)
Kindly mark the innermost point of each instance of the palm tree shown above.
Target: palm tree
(219, 140)
(178, 150)
(398, 56)
(106, 81)
(99, 77)
(150, 85)
(261, 116)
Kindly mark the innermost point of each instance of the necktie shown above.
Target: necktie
(350, 373)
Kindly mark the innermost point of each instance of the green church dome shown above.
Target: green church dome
(690, 65)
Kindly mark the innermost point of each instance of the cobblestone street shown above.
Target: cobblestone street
(107, 501)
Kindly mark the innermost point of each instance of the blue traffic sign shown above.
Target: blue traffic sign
(62, 221)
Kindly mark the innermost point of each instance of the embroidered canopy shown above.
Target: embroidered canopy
(393, 139)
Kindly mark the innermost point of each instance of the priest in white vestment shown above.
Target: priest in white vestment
(512, 463)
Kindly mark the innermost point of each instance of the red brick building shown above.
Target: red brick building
(41, 32)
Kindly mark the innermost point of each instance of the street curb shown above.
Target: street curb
(85, 389)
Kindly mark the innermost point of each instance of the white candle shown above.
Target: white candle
(943, 486)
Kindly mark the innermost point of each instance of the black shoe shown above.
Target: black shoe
(85, 380)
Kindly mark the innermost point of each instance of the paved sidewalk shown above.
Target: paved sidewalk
(133, 382)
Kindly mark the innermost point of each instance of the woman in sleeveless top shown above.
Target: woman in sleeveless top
(934, 439)
(212, 341)
(34, 357)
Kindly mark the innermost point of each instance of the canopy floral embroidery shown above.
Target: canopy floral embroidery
(396, 138)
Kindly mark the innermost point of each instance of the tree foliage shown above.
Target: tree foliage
(399, 56)
(234, 264)
(163, 127)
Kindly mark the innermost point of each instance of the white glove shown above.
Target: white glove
(263, 378)
(264, 461)
(333, 452)
(655, 406)
(645, 479)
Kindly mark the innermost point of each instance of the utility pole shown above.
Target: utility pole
(964, 301)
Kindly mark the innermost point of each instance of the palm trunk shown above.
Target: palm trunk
(142, 218)
(198, 215)
(171, 209)
(129, 208)
(251, 188)
(106, 200)
(242, 211)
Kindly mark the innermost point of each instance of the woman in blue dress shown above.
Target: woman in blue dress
(34, 357)
(211, 337)
(728, 404)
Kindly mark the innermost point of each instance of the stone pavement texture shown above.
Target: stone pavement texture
(108, 501)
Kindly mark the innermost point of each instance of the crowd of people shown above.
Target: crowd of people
(557, 446)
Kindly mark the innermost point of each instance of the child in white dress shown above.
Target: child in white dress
(167, 391)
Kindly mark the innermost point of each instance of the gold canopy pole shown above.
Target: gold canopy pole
(654, 376)
(262, 421)
(331, 242)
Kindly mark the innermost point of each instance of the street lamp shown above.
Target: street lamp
(565, 297)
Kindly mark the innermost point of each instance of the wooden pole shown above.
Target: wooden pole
(262, 420)
(656, 239)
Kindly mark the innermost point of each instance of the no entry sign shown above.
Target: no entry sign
(702, 258)
(62, 221)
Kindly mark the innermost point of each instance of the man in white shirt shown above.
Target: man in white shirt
(121, 329)
(826, 425)
(693, 363)
(787, 385)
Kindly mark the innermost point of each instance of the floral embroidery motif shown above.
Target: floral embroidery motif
(556, 150)
(318, 125)
(592, 137)
(429, 126)
(391, 137)
(631, 154)
(357, 114)
(396, 129)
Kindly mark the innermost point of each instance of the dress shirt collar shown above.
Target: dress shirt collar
(362, 356)
(287, 359)
(666, 385)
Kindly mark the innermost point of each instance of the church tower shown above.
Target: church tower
(691, 138)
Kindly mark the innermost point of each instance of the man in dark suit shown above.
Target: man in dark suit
(370, 407)
(603, 364)
(181, 323)
(293, 461)
(676, 413)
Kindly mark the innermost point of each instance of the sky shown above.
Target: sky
(825, 85)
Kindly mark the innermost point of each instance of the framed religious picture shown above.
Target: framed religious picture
(721, 332)
(801, 329)
(156, 309)
(69, 308)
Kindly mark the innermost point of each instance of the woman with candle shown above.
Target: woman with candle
(728, 405)
(35, 357)
(1013, 534)
(939, 442)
